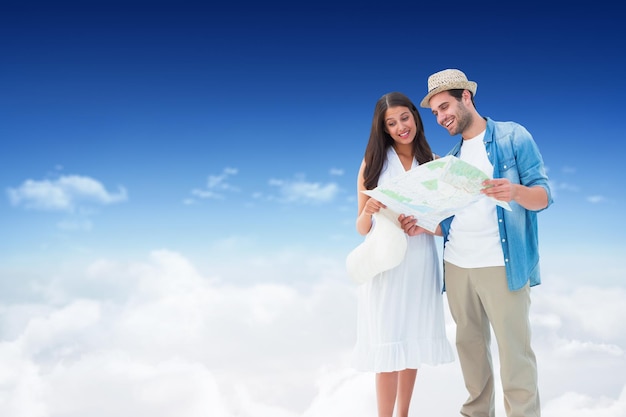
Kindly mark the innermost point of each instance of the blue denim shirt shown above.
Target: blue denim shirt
(515, 156)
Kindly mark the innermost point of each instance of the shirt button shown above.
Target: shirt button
(506, 260)
(505, 167)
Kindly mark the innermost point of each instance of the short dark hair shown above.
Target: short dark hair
(457, 93)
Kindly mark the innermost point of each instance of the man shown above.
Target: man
(490, 254)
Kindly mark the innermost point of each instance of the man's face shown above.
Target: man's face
(450, 112)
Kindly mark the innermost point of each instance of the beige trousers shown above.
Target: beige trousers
(480, 300)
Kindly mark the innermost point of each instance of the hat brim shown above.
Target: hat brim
(464, 85)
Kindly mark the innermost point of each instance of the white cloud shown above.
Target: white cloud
(576, 347)
(301, 191)
(343, 393)
(296, 190)
(594, 312)
(557, 186)
(595, 199)
(206, 194)
(66, 193)
(75, 224)
(21, 389)
(216, 185)
(44, 336)
(160, 337)
(219, 181)
(573, 404)
(113, 383)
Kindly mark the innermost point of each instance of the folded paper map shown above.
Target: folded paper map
(434, 191)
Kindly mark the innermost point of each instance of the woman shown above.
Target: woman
(400, 311)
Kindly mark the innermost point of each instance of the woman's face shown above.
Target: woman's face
(400, 124)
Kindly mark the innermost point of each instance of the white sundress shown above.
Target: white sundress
(400, 320)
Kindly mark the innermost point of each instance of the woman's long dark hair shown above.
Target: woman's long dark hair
(380, 140)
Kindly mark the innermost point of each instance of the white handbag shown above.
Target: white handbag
(384, 248)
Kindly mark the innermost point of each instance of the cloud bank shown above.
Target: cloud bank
(66, 193)
(158, 337)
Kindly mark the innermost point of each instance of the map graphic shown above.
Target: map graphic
(434, 191)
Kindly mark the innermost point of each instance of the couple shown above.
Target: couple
(490, 257)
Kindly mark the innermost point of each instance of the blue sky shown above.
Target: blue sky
(155, 150)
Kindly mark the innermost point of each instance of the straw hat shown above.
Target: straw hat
(448, 79)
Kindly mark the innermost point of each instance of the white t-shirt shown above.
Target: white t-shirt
(474, 240)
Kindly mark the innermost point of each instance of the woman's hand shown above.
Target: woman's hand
(373, 206)
(410, 227)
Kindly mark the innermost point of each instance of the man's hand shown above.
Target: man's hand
(409, 225)
(501, 189)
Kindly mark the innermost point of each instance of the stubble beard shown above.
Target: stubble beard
(463, 121)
